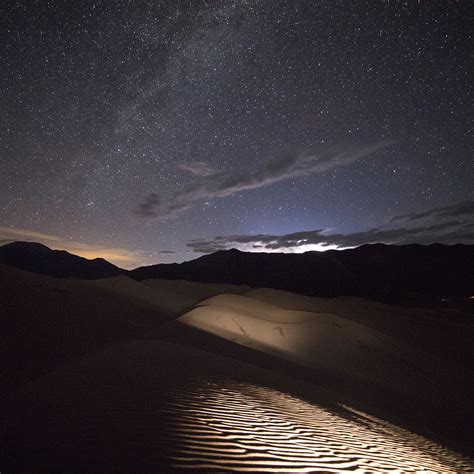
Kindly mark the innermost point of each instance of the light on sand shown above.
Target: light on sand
(242, 427)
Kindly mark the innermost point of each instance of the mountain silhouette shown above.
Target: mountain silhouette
(389, 273)
(383, 272)
(38, 258)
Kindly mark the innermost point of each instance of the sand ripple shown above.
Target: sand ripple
(152, 407)
(242, 427)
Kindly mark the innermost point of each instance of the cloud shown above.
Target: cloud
(146, 208)
(197, 168)
(220, 184)
(450, 232)
(119, 256)
(166, 252)
(458, 209)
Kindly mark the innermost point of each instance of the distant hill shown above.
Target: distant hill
(38, 258)
(390, 273)
(409, 274)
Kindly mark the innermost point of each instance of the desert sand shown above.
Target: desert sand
(116, 375)
(168, 296)
(426, 328)
(317, 339)
(333, 343)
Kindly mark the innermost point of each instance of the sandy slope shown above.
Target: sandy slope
(149, 406)
(328, 341)
(87, 391)
(45, 322)
(162, 299)
(448, 333)
(180, 295)
(168, 296)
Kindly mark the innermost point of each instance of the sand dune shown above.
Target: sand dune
(248, 306)
(89, 382)
(168, 296)
(180, 295)
(448, 333)
(154, 407)
(327, 341)
(162, 299)
(45, 322)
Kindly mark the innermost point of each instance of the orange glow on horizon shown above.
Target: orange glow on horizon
(124, 258)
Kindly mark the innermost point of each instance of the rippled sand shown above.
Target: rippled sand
(244, 427)
(155, 407)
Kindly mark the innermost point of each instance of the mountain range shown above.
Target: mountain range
(408, 274)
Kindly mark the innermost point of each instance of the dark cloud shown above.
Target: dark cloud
(458, 209)
(167, 252)
(146, 208)
(220, 184)
(447, 232)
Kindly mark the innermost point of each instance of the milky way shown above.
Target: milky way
(135, 129)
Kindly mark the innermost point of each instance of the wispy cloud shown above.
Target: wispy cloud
(450, 231)
(459, 209)
(122, 257)
(197, 168)
(221, 184)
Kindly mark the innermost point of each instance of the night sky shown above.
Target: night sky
(149, 131)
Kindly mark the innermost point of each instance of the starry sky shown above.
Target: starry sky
(153, 131)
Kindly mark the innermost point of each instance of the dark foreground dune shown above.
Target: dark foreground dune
(151, 406)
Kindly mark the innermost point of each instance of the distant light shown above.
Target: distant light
(314, 247)
(295, 249)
